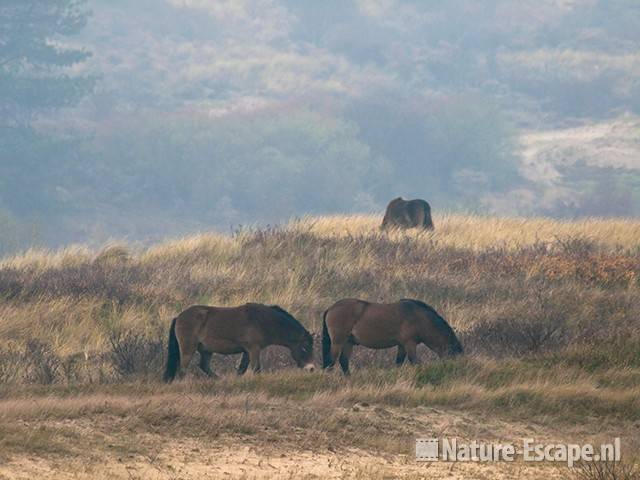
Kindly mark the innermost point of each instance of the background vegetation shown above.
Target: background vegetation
(163, 117)
(516, 288)
(156, 118)
(546, 311)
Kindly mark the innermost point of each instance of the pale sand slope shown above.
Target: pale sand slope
(245, 456)
(189, 460)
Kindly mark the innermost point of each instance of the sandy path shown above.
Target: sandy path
(157, 455)
(190, 460)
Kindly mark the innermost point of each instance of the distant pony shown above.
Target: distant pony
(246, 329)
(404, 324)
(407, 214)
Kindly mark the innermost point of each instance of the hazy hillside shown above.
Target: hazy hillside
(592, 169)
(477, 269)
(158, 154)
(546, 311)
(163, 117)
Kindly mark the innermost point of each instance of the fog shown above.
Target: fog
(157, 118)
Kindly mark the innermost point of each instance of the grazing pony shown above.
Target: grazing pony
(246, 329)
(404, 324)
(407, 214)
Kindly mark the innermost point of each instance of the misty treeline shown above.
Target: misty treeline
(132, 119)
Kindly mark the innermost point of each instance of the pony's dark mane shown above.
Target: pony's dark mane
(440, 322)
(429, 308)
(289, 319)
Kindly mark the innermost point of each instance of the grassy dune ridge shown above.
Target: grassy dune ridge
(546, 310)
(474, 270)
(547, 295)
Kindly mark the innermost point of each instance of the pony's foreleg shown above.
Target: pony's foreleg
(205, 363)
(410, 348)
(254, 358)
(401, 356)
(244, 363)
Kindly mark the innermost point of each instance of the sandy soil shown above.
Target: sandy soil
(193, 460)
(243, 456)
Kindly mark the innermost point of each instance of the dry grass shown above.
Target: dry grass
(547, 312)
(608, 471)
(509, 286)
(378, 412)
(478, 233)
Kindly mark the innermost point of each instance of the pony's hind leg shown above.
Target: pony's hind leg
(401, 356)
(344, 357)
(244, 363)
(336, 352)
(187, 351)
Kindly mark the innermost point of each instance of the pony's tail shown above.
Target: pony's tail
(173, 354)
(326, 342)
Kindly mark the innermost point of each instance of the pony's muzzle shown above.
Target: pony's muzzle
(309, 367)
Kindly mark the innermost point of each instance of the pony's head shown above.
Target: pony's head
(297, 339)
(443, 341)
(440, 338)
(302, 351)
(455, 347)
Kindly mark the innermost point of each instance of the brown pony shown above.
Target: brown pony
(246, 329)
(405, 324)
(407, 214)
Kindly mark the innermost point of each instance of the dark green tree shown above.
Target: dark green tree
(35, 57)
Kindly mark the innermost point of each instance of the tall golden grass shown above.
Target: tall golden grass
(547, 312)
(509, 286)
(65, 296)
(478, 233)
